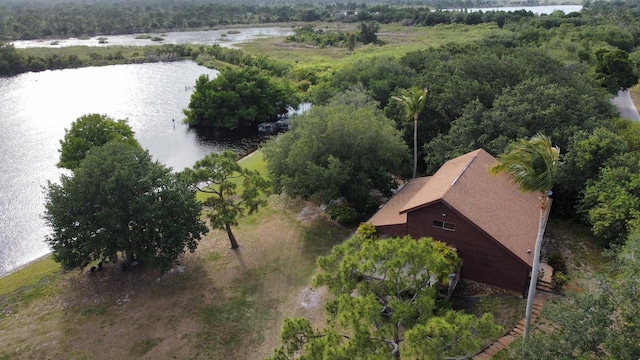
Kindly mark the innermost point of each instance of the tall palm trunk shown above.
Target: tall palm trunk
(415, 145)
(545, 205)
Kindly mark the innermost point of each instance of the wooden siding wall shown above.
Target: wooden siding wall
(398, 230)
(484, 260)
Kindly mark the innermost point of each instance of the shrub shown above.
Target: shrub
(343, 214)
(367, 231)
(559, 279)
(558, 262)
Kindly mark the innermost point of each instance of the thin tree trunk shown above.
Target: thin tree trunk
(232, 238)
(544, 215)
(415, 146)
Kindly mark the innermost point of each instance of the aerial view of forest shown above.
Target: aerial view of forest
(270, 254)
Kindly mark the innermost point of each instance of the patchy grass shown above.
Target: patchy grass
(217, 303)
(397, 40)
(29, 275)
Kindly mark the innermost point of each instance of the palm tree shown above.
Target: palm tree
(532, 164)
(413, 100)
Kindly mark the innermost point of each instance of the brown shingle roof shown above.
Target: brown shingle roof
(390, 213)
(493, 203)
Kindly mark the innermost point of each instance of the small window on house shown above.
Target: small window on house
(444, 225)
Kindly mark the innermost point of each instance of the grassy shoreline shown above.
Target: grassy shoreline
(218, 303)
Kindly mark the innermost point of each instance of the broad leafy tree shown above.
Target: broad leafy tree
(385, 305)
(10, 60)
(586, 154)
(89, 131)
(537, 105)
(611, 201)
(232, 191)
(342, 150)
(615, 70)
(413, 101)
(119, 201)
(238, 98)
(533, 165)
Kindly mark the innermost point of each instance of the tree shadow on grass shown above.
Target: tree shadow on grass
(322, 234)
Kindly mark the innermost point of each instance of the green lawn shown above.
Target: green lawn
(29, 275)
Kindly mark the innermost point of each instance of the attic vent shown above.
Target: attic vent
(463, 170)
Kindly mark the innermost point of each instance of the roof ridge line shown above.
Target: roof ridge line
(463, 170)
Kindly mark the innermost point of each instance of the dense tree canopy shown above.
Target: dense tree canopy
(89, 131)
(385, 305)
(341, 150)
(10, 60)
(615, 70)
(552, 106)
(220, 177)
(611, 201)
(119, 201)
(585, 155)
(238, 98)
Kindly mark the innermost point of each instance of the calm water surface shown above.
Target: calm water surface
(35, 109)
(227, 37)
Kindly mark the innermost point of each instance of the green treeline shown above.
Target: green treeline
(39, 19)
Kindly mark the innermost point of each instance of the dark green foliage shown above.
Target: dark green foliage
(343, 214)
(308, 35)
(614, 70)
(611, 201)
(238, 98)
(89, 131)
(536, 101)
(557, 261)
(342, 150)
(10, 61)
(586, 154)
(367, 34)
(120, 201)
(380, 75)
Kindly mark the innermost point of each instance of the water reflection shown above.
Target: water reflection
(224, 37)
(35, 109)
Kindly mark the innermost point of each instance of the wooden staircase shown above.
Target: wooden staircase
(493, 348)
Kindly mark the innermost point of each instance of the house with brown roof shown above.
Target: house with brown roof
(485, 217)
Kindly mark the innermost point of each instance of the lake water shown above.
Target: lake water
(35, 109)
